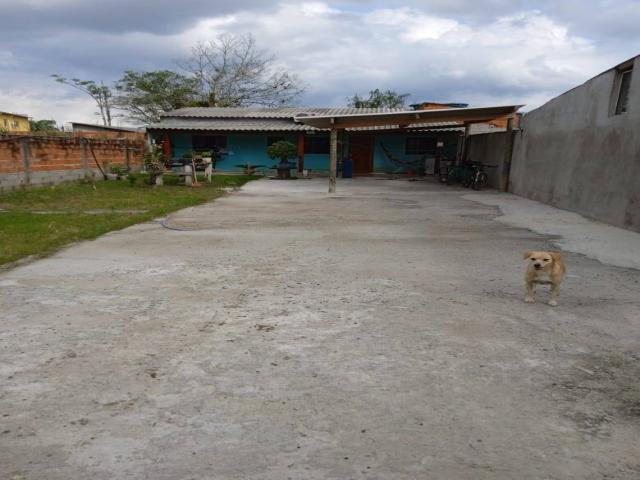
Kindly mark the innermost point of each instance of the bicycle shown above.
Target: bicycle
(478, 179)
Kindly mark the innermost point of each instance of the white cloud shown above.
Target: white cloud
(523, 57)
(6, 58)
(316, 9)
(48, 103)
(413, 25)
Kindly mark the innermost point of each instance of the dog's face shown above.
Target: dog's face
(540, 260)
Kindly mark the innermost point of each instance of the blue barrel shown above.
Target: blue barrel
(347, 169)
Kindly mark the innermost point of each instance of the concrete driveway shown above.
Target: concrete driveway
(280, 333)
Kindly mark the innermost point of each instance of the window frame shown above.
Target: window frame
(623, 74)
(315, 145)
(219, 142)
(424, 145)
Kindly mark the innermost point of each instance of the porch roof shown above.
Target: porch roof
(408, 118)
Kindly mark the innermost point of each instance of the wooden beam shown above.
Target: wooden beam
(333, 159)
(506, 161)
(464, 145)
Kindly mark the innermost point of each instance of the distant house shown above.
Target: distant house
(14, 122)
(91, 127)
(245, 133)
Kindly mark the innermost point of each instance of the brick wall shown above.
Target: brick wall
(35, 159)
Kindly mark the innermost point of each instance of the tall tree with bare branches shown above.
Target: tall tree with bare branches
(234, 72)
(100, 93)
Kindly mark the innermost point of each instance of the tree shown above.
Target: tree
(101, 94)
(282, 150)
(379, 99)
(145, 95)
(43, 125)
(234, 72)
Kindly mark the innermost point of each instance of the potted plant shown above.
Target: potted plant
(187, 157)
(118, 170)
(284, 151)
(154, 164)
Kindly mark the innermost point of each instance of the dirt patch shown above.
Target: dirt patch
(609, 383)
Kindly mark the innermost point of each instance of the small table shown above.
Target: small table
(249, 169)
(284, 169)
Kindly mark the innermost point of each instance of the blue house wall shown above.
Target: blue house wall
(252, 148)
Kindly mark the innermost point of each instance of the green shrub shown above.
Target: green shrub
(282, 150)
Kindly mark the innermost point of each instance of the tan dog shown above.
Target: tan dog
(546, 268)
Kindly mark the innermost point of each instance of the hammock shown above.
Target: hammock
(416, 162)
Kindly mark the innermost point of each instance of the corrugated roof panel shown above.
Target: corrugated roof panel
(282, 112)
(272, 125)
(230, 124)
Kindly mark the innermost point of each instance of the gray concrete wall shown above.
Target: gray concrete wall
(489, 148)
(574, 154)
(14, 181)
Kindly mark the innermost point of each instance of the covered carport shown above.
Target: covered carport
(404, 119)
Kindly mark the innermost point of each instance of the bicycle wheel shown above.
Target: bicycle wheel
(467, 181)
(480, 181)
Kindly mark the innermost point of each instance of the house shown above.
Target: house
(91, 127)
(14, 122)
(245, 133)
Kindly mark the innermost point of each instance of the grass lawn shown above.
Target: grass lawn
(38, 221)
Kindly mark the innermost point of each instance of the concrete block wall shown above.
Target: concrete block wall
(490, 149)
(37, 160)
(574, 153)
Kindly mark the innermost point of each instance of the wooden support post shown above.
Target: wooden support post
(506, 161)
(465, 144)
(166, 145)
(300, 152)
(438, 159)
(333, 159)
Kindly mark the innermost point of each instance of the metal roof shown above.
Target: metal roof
(281, 112)
(105, 127)
(251, 124)
(15, 114)
(439, 126)
(231, 124)
(411, 117)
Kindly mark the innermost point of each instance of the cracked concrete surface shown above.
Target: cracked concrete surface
(377, 334)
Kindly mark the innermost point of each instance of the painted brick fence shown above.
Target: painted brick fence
(28, 159)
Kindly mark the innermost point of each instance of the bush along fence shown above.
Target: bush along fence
(28, 159)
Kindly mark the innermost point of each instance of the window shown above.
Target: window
(201, 143)
(6, 122)
(420, 145)
(272, 140)
(622, 101)
(316, 144)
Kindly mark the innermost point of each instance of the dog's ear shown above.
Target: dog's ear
(555, 256)
(527, 254)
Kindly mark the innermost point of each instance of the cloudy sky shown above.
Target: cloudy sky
(478, 52)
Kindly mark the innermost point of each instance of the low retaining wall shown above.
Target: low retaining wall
(40, 160)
